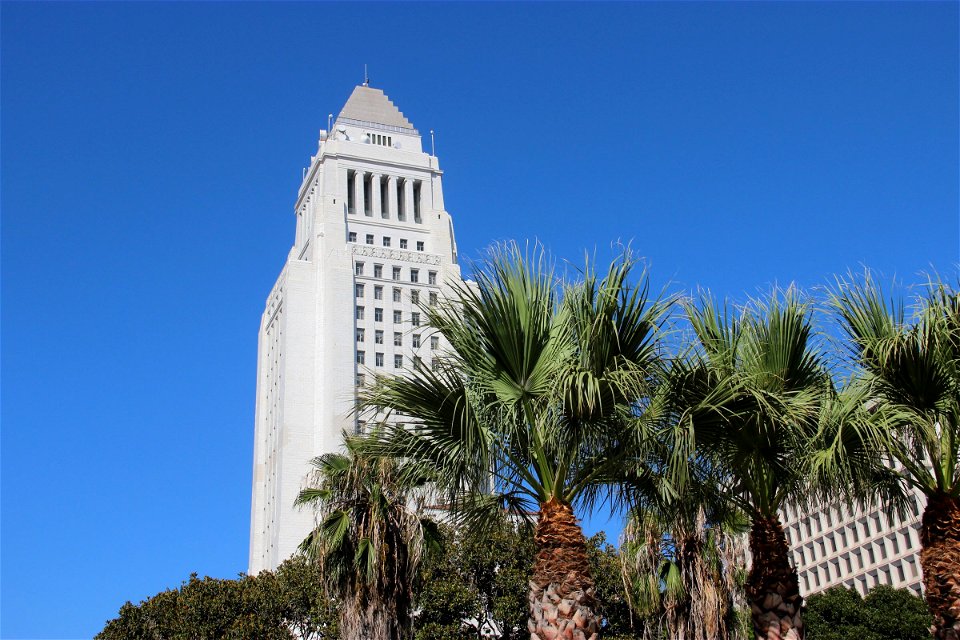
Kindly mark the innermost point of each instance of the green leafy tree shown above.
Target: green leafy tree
(268, 606)
(370, 537)
(478, 585)
(533, 408)
(885, 614)
(613, 605)
(749, 399)
(909, 381)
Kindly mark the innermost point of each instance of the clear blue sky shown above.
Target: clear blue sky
(151, 155)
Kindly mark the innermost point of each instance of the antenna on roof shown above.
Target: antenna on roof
(366, 77)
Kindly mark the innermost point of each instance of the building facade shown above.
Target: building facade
(374, 245)
(855, 548)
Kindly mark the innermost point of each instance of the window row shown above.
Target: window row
(359, 268)
(378, 360)
(850, 564)
(416, 340)
(378, 315)
(386, 196)
(359, 289)
(386, 240)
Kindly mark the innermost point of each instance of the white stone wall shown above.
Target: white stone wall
(308, 347)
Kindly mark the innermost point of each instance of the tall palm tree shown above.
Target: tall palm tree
(749, 399)
(370, 536)
(909, 369)
(533, 409)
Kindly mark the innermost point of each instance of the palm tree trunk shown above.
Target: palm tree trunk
(940, 559)
(561, 589)
(772, 587)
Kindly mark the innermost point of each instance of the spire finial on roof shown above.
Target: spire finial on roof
(366, 76)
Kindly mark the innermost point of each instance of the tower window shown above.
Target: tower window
(415, 296)
(434, 343)
(351, 191)
(369, 238)
(396, 273)
(359, 313)
(378, 293)
(360, 335)
(384, 197)
(378, 337)
(378, 271)
(378, 314)
(361, 357)
(358, 268)
(378, 359)
(401, 199)
(367, 192)
(416, 201)
(414, 275)
(416, 341)
(358, 290)
(396, 294)
(432, 277)
(397, 339)
(419, 245)
(386, 241)
(415, 319)
(433, 298)
(397, 317)
(403, 243)
(398, 362)
(352, 236)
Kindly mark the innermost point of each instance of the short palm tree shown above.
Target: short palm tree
(684, 558)
(533, 408)
(749, 399)
(370, 537)
(909, 369)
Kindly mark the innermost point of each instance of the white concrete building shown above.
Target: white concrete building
(374, 243)
(859, 549)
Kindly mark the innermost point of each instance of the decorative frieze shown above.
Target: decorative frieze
(387, 253)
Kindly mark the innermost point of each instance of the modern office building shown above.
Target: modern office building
(855, 548)
(374, 244)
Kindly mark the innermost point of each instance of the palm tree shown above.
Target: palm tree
(910, 372)
(370, 537)
(749, 399)
(684, 557)
(533, 408)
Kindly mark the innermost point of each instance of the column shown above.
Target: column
(392, 196)
(408, 197)
(358, 204)
(375, 194)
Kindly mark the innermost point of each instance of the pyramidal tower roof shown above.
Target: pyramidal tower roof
(367, 104)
